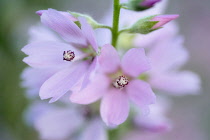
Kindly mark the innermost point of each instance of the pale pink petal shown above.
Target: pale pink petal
(94, 131)
(135, 62)
(90, 72)
(62, 82)
(168, 55)
(140, 93)
(177, 83)
(34, 78)
(40, 33)
(156, 120)
(88, 33)
(58, 123)
(66, 14)
(45, 54)
(114, 107)
(64, 26)
(95, 90)
(109, 59)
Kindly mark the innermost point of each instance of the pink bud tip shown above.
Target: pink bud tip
(40, 12)
(163, 19)
(149, 3)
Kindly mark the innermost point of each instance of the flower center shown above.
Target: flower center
(120, 82)
(68, 55)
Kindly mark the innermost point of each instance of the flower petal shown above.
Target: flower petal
(64, 26)
(48, 54)
(135, 62)
(90, 72)
(34, 78)
(62, 82)
(179, 83)
(94, 131)
(55, 123)
(140, 93)
(109, 59)
(173, 55)
(114, 107)
(40, 33)
(95, 90)
(88, 33)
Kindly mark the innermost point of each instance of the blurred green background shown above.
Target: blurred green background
(191, 114)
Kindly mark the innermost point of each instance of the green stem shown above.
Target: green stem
(104, 26)
(115, 25)
(124, 30)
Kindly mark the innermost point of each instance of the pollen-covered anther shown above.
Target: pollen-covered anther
(68, 55)
(120, 82)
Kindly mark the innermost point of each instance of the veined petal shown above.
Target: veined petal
(109, 59)
(135, 62)
(114, 107)
(88, 33)
(48, 53)
(90, 72)
(140, 93)
(62, 82)
(177, 83)
(66, 14)
(64, 26)
(94, 131)
(95, 90)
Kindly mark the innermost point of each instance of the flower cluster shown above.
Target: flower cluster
(121, 75)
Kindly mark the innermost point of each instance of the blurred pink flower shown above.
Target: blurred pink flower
(56, 54)
(167, 55)
(59, 123)
(117, 83)
(156, 120)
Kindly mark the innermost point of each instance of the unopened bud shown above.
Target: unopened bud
(140, 5)
(152, 23)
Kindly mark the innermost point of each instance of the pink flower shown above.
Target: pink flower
(117, 84)
(75, 60)
(162, 20)
(156, 120)
(167, 58)
(58, 123)
(167, 55)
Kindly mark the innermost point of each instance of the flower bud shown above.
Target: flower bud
(152, 23)
(140, 5)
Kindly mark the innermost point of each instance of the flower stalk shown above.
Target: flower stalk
(115, 25)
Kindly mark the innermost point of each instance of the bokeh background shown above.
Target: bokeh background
(190, 114)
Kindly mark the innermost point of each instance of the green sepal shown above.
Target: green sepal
(89, 19)
(144, 26)
(135, 5)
